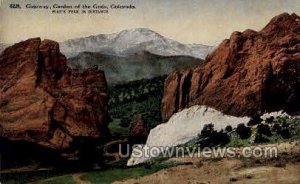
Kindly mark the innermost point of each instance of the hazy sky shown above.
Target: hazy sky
(187, 21)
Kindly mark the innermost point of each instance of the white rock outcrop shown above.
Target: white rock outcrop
(181, 128)
(275, 115)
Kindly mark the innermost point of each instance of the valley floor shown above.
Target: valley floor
(283, 169)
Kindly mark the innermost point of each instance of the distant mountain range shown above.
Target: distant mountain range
(128, 42)
(141, 65)
(131, 54)
(132, 41)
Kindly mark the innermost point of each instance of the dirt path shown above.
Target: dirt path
(78, 180)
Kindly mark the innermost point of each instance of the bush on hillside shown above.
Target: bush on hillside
(254, 121)
(270, 119)
(207, 130)
(228, 128)
(243, 131)
(263, 133)
(211, 138)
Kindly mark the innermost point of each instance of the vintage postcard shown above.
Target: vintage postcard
(149, 91)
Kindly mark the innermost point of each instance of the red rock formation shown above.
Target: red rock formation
(248, 74)
(44, 101)
(138, 128)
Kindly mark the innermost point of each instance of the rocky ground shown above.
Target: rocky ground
(284, 169)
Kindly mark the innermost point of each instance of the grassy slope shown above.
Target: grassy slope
(236, 141)
(105, 176)
(275, 137)
(137, 97)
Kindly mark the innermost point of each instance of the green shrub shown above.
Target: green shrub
(263, 133)
(207, 130)
(228, 128)
(270, 119)
(254, 121)
(243, 131)
(211, 138)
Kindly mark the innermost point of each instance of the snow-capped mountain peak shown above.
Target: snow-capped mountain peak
(128, 42)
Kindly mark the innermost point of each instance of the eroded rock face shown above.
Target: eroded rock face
(44, 101)
(138, 129)
(248, 74)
